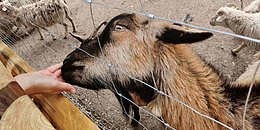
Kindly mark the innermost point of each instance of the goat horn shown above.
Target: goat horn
(78, 37)
(97, 29)
(82, 39)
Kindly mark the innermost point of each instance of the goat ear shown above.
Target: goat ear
(232, 5)
(78, 37)
(176, 35)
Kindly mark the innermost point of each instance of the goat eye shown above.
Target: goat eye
(119, 27)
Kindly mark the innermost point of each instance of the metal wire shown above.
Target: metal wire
(142, 82)
(115, 90)
(86, 113)
(154, 88)
(81, 109)
(248, 94)
(160, 92)
(152, 16)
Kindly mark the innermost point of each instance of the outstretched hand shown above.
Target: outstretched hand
(44, 81)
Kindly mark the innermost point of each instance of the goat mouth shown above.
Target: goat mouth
(72, 75)
(213, 21)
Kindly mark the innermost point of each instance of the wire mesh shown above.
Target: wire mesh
(48, 47)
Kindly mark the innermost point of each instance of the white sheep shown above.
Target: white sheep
(239, 22)
(7, 30)
(42, 14)
(19, 3)
(246, 77)
(253, 7)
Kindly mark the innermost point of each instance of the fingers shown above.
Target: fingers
(34, 83)
(60, 79)
(57, 88)
(65, 87)
(54, 68)
(52, 71)
(57, 73)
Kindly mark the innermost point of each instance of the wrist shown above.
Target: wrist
(22, 81)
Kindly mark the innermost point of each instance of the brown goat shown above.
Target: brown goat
(156, 53)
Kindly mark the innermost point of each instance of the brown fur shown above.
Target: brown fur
(155, 52)
(197, 85)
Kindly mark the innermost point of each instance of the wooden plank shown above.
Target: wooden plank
(12, 61)
(14, 112)
(23, 114)
(9, 89)
(57, 108)
(8, 95)
(5, 75)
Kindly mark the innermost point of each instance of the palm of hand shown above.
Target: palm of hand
(44, 81)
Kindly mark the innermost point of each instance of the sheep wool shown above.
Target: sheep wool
(42, 14)
(239, 22)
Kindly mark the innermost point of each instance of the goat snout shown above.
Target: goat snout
(70, 65)
(72, 70)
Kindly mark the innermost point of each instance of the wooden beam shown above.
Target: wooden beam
(8, 95)
(9, 89)
(23, 114)
(17, 111)
(57, 108)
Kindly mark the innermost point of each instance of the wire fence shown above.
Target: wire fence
(10, 41)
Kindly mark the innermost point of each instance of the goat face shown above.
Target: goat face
(86, 67)
(129, 46)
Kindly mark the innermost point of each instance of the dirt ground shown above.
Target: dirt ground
(102, 106)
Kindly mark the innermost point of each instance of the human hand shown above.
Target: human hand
(44, 81)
